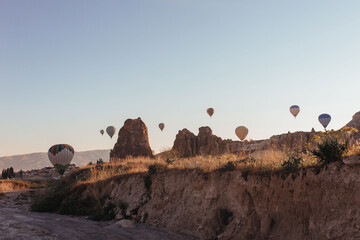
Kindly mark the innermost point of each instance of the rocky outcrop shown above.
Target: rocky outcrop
(291, 141)
(283, 142)
(209, 144)
(187, 144)
(133, 140)
(355, 122)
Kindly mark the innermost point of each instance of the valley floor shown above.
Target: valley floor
(17, 222)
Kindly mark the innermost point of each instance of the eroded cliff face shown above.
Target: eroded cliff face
(310, 204)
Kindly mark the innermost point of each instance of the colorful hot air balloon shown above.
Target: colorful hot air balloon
(111, 131)
(102, 131)
(210, 111)
(161, 126)
(294, 109)
(241, 132)
(60, 156)
(324, 119)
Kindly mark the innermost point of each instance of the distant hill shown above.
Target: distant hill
(40, 160)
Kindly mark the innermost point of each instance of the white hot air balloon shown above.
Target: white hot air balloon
(241, 132)
(111, 131)
(295, 109)
(102, 131)
(60, 155)
(161, 126)
(324, 119)
(210, 111)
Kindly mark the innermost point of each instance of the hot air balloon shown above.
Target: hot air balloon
(161, 126)
(324, 119)
(294, 109)
(241, 132)
(111, 131)
(210, 111)
(102, 131)
(60, 156)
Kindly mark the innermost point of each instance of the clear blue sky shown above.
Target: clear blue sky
(71, 68)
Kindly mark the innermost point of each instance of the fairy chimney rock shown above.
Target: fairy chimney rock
(185, 143)
(133, 140)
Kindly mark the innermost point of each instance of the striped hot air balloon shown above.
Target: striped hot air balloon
(60, 155)
(295, 109)
(324, 119)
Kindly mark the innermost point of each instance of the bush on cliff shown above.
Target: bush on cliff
(331, 146)
(293, 162)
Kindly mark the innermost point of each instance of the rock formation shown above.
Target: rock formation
(355, 122)
(286, 142)
(188, 145)
(209, 144)
(133, 140)
(292, 141)
(185, 144)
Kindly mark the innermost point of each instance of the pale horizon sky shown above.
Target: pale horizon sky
(71, 68)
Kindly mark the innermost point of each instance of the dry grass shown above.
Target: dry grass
(15, 185)
(261, 161)
(353, 150)
(258, 162)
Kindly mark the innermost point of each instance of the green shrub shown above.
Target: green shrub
(293, 162)
(330, 148)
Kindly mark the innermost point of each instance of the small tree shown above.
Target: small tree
(11, 172)
(4, 174)
(21, 173)
(331, 146)
(100, 161)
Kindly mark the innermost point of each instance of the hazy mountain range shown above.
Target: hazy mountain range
(41, 160)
